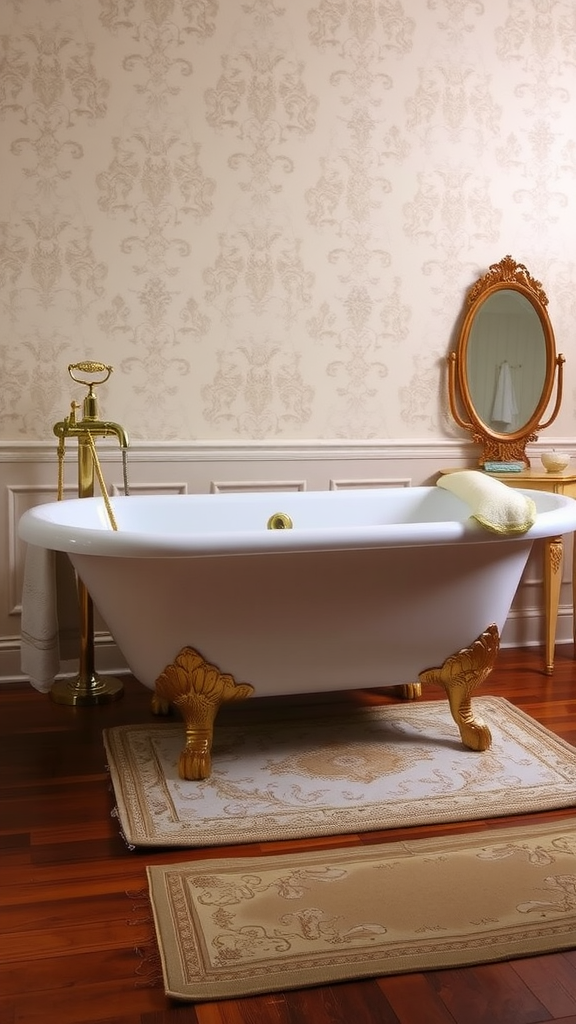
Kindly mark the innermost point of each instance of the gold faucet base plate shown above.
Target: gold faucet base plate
(79, 693)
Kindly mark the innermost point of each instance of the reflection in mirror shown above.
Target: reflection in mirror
(502, 373)
(506, 361)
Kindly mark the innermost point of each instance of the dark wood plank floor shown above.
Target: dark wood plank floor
(75, 932)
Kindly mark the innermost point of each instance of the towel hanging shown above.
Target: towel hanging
(50, 615)
(505, 407)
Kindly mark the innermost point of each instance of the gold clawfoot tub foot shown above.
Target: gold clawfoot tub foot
(158, 706)
(409, 691)
(460, 674)
(197, 689)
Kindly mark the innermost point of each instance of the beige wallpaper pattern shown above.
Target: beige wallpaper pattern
(265, 214)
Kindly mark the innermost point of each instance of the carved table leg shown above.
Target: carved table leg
(460, 674)
(553, 556)
(197, 689)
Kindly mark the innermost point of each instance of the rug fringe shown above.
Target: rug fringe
(148, 972)
(115, 813)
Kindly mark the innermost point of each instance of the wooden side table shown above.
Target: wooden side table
(563, 482)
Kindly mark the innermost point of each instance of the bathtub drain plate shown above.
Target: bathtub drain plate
(279, 521)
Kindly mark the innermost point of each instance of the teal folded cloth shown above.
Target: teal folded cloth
(504, 467)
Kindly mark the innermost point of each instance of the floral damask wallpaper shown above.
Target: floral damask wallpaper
(265, 215)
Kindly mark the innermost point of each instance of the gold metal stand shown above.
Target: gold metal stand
(88, 687)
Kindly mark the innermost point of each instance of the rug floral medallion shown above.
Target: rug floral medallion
(332, 769)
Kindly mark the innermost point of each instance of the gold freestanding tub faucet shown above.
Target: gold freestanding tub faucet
(88, 688)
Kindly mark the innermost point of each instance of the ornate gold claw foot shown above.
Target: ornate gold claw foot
(460, 674)
(197, 689)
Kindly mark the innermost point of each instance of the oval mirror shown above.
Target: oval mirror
(502, 372)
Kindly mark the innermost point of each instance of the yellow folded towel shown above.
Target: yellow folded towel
(494, 504)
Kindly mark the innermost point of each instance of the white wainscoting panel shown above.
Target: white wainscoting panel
(255, 486)
(150, 487)
(349, 485)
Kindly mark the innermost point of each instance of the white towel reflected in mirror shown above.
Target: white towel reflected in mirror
(505, 407)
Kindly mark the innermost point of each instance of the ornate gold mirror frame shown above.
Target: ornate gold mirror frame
(505, 445)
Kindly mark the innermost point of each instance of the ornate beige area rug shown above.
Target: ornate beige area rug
(232, 927)
(329, 769)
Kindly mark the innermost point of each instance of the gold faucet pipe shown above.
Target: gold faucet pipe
(87, 679)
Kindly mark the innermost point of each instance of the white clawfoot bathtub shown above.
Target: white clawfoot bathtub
(369, 588)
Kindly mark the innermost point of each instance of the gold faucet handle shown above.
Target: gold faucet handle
(71, 419)
(88, 367)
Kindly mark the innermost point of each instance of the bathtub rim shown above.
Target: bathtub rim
(38, 526)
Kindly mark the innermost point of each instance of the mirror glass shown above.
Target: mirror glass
(506, 361)
(501, 375)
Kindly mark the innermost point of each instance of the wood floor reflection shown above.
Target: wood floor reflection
(72, 920)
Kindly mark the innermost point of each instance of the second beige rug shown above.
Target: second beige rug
(230, 927)
(302, 771)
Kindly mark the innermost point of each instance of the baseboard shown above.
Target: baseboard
(107, 660)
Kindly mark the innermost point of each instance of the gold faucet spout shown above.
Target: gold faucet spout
(103, 428)
(115, 428)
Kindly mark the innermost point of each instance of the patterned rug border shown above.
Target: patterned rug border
(232, 927)
(149, 817)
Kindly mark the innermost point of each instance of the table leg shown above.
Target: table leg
(552, 583)
(574, 591)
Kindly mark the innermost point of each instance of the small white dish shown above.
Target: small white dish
(554, 462)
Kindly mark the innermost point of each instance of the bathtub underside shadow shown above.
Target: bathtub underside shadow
(197, 689)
